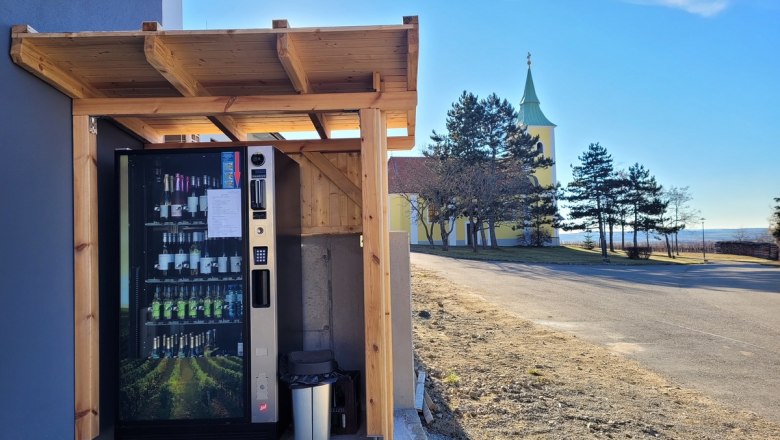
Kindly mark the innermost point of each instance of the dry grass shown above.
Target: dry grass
(578, 255)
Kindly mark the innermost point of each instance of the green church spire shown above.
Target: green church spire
(530, 111)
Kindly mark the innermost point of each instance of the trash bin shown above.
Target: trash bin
(310, 375)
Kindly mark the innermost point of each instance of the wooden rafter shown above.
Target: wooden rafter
(288, 56)
(227, 105)
(161, 57)
(39, 64)
(412, 57)
(335, 175)
(348, 145)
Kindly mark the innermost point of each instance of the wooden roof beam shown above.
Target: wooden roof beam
(288, 56)
(237, 105)
(412, 59)
(25, 54)
(348, 145)
(161, 57)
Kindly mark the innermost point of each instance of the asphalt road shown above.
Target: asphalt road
(714, 327)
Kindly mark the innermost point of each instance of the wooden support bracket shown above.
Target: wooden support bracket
(335, 175)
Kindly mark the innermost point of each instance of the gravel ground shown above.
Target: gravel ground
(493, 375)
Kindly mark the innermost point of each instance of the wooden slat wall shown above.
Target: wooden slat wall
(325, 209)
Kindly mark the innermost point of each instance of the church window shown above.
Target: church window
(540, 148)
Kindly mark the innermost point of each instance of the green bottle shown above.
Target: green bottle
(156, 305)
(192, 305)
(168, 304)
(207, 304)
(218, 302)
(181, 305)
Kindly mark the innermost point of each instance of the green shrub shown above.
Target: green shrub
(639, 252)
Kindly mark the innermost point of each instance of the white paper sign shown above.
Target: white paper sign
(224, 215)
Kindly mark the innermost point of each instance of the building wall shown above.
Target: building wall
(36, 258)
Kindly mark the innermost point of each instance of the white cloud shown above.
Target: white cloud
(705, 8)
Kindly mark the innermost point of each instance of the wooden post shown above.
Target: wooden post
(387, 296)
(376, 285)
(85, 259)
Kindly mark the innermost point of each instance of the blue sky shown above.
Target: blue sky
(688, 88)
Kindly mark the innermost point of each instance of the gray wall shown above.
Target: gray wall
(36, 228)
(333, 299)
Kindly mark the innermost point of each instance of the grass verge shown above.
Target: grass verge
(577, 255)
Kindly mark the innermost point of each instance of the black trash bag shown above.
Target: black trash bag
(304, 369)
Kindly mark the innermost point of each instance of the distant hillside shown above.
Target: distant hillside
(752, 234)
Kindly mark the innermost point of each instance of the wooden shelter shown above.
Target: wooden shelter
(155, 82)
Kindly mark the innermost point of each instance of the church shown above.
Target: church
(403, 169)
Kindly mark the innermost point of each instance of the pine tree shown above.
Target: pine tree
(640, 187)
(496, 156)
(588, 191)
(776, 220)
(540, 215)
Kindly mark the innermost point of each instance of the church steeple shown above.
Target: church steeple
(530, 111)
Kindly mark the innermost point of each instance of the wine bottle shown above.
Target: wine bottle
(177, 201)
(165, 259)
(195, 253)
(218, 304)
(181, 305)
(192, 304)
(192, 199)
(207, 304)
(181, 257)
(201, 305)
(222, 261)
(239, 295)
(230, 300)
(203, 198)
(156, 305)
(165, 200)
(168, 304)
(182, 341)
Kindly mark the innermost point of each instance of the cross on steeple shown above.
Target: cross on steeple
(529, 59)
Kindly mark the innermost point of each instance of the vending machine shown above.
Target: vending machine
(210, 291)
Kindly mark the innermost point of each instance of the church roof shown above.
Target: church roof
(530, 111)
(406, 174)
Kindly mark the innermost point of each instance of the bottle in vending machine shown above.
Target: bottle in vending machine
(156, 305)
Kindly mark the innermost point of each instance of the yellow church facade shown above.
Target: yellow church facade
(404, 218)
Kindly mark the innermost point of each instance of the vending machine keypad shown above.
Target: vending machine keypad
(260, 254)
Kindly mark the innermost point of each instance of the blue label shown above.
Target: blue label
(231, 170)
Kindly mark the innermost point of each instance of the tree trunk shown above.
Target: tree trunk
(647, 237)
(602, 241)
(668, 246)
(636, 227)
(473, 234)
(445, 236)
(428, 233)
(483, 235)
(611, 243)
(622, 236)
(676, 244)
(492, 230)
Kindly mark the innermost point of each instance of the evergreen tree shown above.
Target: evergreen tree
(540, 215)
(496, 156)
(588, 191)
(640, 187)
